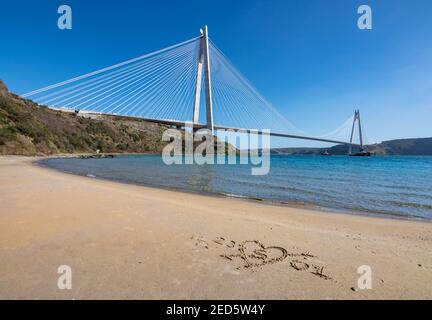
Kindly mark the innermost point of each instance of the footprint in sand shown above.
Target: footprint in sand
(200, 242)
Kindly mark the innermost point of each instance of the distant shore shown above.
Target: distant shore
(133, 242)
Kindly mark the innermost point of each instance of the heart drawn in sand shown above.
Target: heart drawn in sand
(255, 254)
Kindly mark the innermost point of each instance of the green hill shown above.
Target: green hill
(407, 147)
(27, 128)
(414, 147)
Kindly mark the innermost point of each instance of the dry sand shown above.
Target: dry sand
(131, 242)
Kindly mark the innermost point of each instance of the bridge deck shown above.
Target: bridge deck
(242, 130)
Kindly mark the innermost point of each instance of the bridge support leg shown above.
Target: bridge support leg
(208, 87)
(360, 128)
(198, 83)
(356, 118)
(204, 64)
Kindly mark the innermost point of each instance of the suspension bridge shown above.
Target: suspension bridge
(173, 85)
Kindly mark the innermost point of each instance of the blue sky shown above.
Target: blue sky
(307, 57)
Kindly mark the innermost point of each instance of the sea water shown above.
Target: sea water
(398, 186)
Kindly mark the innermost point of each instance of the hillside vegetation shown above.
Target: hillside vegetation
(29, 129)
(414, 147)
(407, 147)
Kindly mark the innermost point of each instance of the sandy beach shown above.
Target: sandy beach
(131, 242)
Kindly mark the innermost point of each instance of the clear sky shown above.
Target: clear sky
(307, 57)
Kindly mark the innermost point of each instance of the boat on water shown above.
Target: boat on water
(325, 153)
(361, 153)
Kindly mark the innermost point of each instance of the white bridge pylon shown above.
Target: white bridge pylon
(172, 85)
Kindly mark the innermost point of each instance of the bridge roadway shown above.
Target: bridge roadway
(241, 130)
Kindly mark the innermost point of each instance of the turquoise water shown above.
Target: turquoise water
(393, 185)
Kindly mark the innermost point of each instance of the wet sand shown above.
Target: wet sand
(131, 242)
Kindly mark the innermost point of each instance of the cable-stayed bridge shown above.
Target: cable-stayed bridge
(191, 83)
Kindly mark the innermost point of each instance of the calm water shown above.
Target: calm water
(398, 186)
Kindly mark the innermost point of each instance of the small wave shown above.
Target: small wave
(238, 196)
(90, 175)
(411, 205)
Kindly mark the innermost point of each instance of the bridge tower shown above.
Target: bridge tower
(356, 119)
(204, 65)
